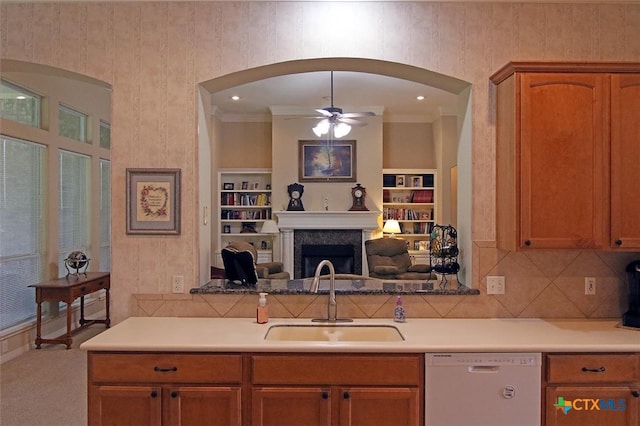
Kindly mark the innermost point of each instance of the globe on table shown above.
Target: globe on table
(76, 260)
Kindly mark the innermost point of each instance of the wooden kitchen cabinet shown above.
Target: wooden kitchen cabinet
(625, 158)
(592, 389)
(560, 164)
(291, 406)
(339, 389)
(164, 389)
(379, 406)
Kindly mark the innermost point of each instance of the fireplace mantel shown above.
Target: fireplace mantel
(367, 220)
(289, 221)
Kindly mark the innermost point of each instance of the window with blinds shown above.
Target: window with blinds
(73, 207)
(105, 215)
(22, 210)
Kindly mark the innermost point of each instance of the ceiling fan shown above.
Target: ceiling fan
(335, 120)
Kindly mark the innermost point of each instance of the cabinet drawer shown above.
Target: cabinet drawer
(332, 369)
(89, 287)
(595, 368)
(165, 368)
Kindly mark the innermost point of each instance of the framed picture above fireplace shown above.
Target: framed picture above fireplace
(327, 161)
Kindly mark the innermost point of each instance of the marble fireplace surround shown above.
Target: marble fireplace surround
(289, 221)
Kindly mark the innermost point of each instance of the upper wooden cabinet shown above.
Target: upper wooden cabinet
(625, 161)
(566, 168)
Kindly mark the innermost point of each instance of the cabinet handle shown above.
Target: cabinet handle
(635, 393)
(618, 242)
(325, 395)
(346, 395)
(154, 394)
(594, 370)
(527, 243)
(165, 370)
(174, 394)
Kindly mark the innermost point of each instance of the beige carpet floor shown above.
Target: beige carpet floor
(46, 387)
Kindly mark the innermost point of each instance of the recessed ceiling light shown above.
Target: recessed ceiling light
(21, 97)
(235, 98)
(420, 98)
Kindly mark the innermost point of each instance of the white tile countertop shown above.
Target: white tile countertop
(420, 335)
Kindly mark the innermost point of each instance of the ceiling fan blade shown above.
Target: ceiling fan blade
(352, 122)
(358, 114)
(324, 112)
(317, 117)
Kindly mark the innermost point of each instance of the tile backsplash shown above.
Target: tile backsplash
(539, 284)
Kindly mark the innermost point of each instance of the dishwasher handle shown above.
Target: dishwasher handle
(483, 369)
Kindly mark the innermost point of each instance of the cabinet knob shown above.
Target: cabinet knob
(174, 394)
(635, 393)
(83, 289)
(346, 395)
(154, 394)
(618, 242)
(527, 243)
(325, 395)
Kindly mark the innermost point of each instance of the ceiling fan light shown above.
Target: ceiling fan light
(322, 128)
(341, 129)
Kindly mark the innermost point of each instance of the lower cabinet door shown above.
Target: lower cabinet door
(125, 406)
(379, 406)
(204, 406)
(291, 406)
(592, 406)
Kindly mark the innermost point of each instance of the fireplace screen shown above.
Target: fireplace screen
(340, 255)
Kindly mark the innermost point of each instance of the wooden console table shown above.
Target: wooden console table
(67, 290)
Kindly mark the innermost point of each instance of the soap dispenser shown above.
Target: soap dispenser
(262, 314)
(399, 314)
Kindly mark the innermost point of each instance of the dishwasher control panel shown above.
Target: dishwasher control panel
(514, 359)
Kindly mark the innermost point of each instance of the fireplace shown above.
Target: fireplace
(325, 228)
(342, 256)
(343, 248)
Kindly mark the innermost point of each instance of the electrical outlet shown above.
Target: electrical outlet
(177, 284)
(590, 286)
(495, 285)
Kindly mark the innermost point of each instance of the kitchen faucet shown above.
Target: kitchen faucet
(332, 304)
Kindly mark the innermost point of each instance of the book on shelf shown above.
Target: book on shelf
(422, 196)
(245, 214)
(244, 199)
(406, 214)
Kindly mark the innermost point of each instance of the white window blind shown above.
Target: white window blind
(73, 207)
(22, 187)
(105, 215)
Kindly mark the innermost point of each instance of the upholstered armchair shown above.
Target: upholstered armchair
(388, 258)
(239, 258)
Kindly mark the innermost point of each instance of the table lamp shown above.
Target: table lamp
(270, 227)
(392, 227)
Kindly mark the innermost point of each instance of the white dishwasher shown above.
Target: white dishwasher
(482, 389)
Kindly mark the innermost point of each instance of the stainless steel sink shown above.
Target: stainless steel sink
(334, 333)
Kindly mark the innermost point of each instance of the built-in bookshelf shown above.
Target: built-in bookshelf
(244, 203)
(409, 196)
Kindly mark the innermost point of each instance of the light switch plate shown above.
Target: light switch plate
(495, 284)
(590, 286)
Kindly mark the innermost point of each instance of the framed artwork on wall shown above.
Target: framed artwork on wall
(327, 161)
(153, 201)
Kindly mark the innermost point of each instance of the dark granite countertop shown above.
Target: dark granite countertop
(345, 284)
